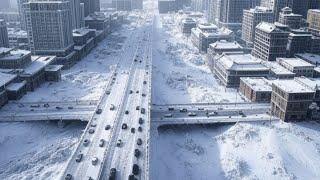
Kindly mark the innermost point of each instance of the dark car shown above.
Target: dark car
(107, 127)
(171, 109)
(137, 153)
(124, 126)
(140, 121)
(127, 112)
(143, 110)
(135, 169)
(138, 108)
(99, 111)
(79, 157)
(139, 141)
(112, 175)
(133, 130)
(68, 177)
(131, 177)
(140, 129)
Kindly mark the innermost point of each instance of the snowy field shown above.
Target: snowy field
(180, 72)
(241, 151)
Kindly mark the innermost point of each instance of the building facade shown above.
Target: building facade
(4, 39)
(270, 42)
(297, 66)
(251, 18)
(314, 21)
(290, 19)
(299, 41)
(256, 89)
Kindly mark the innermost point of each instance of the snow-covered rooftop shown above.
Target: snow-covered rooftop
(294, 62)
(54, 67)
(242, 62)
(81, 31)
(313, 83)
(38, 63)
(312, 58)
(223, 44)
(12, 54)
(15, 86)
(292, 86)
(268, 27)
(5, 78)
(277, 68)
(258, 83)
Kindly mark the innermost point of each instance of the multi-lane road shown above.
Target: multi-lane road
(99, 149)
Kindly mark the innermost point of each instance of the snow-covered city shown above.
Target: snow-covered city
(159, 89)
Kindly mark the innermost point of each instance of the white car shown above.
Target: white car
(94, 161)
(168, 115)
(192, 114)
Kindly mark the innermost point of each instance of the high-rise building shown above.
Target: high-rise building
(299, 41)
(251, 18)
(5, 4)
(231, 12)
(270, 42)
(49, 27)
(314, 21)
(90, 6)
(276, 5)
(302, 7)
(290, 19)
(214, 11)
(21, 14)
(4, 40)
(81, 15)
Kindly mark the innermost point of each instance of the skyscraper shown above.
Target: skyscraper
(49, 27)
(21, 14)
(277, 5)
(4, 40)
(251, 18)
(90, 6)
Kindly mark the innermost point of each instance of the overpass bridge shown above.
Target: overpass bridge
(48, 110)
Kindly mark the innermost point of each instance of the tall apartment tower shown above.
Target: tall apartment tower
(49, 27)
(270, 42)
(231, 12)
(290, 19)
(314, 21)
(214, 11)
(251, 18)
(21, 14)
(4, 40)
(276, 5)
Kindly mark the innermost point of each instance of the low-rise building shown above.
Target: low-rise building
(98, 21)
(187, 24)
(14, 58)
(53, 72)
(229, 68)
(314, 21)
(290, 100)
(310, 58)
(84, 40)
(16, 90)
(312, 83)
(297, 66)
(256, 89)
(277, 71)
(206, 34)
(5, 80)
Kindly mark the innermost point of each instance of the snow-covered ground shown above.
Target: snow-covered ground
(36, 150)
(241, 151)
(180, 72)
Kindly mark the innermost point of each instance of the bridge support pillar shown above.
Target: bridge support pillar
(61, 124)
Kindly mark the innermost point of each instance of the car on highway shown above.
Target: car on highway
(168, 115)
(135, 169)
(140, 129)
(79, 157)
(141, 121)
(58, 108)
(108, 92)
(139, 141)
(138, 108)
(98, 111)
(70, 107)
(143, 95)
(91, 131)
(119, 142)
(113, 173)
(68, 177)
(144, 82)
(214, 113)
(126, 112)
(137, 91)
(107, 127)
(183, 110)
(201, 109)
(93, 124)
(35, 105)
(94, 161)
(191, 114)
(86, 142)
(124, 126)
(133, 130)
(130, 92)
(143, 110)
(112, 107)
(101, 143)
(170, 109)
(137, 153)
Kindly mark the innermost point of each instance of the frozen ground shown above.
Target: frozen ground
(241, 151)
(180, 73)
(36, 150)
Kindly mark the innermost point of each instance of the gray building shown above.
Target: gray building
(276, 5)
(270, 42)
(4, 40)
(231, 12)
(251, 18)
(90, 6)
(186, 25)
(49, 27)
(290, 19)
(314, 21)
(21, 14)
(299, 41)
